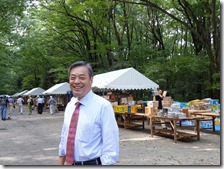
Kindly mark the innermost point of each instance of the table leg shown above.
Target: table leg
(198, 128)
(151, 126)
(143, 122)
(213, 123)
(125, 121)
(175, 131)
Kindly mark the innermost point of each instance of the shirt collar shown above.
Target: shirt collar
(87, 98)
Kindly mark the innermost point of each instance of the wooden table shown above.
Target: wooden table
(173, 131)
(206, 114)
(127, 120)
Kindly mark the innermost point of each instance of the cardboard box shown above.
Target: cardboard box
(120, 108)
(185, 110)
(168, 98)
(134, 109)
(166, 103)
(151, 110)
(153, 104)
(164, 93)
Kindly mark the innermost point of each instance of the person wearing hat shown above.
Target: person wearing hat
(51, 103)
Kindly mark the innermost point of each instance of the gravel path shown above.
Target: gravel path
(33, 140)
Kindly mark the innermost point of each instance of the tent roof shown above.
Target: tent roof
(123, 79)
(61, 88)
(34, 92)
(19, 94)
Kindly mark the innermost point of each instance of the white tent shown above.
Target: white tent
(19, 94)
(34, 92)
(124, 79)
(61, 88)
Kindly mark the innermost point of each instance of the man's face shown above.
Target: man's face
(80, 81)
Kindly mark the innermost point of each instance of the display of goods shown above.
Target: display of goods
(160, 114)
(131, 102)
(186, 111)
(129, 109)
(214, 101)
(217, 121)
(202, 106)
(181, 115)
(124, 100)
(168, 98)
(175, 107)
(120, 108)
(152, 103)
(193, 102)
(166, 103)
(125, 109)
(134, 109)
(206, 100)
(215, 108)
(183, 104)
(114, 103)
(206, 124)
(171, 115)
(151, 110)
(140, 102)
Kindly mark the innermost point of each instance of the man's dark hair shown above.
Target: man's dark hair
(81, 63)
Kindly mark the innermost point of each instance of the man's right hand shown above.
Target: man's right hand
(61, 160)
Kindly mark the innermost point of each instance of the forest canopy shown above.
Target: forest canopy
(175, 43)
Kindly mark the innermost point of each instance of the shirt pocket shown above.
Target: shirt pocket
(86, 133)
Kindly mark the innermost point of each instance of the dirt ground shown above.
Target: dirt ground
(33, 140)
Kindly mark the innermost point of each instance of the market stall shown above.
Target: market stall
(173, 123)
(120, 87)
(34, 92)
(19, 94)
(207, 108)
(60, 93)
(123, 79)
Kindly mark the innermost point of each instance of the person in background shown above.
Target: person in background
(30, 104)
(4, 103)
(20, 102)
(51, 103)
(10, 106)
(97, 136)
(159, 97)
(40, 104)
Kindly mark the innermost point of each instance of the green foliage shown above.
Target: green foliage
(156, 38)
(184, 77)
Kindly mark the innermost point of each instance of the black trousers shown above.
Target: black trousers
(40, 108)
(95, 161)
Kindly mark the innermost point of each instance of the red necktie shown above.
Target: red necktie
(71, 136)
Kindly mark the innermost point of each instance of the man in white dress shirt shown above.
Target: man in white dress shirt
(97, 135)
